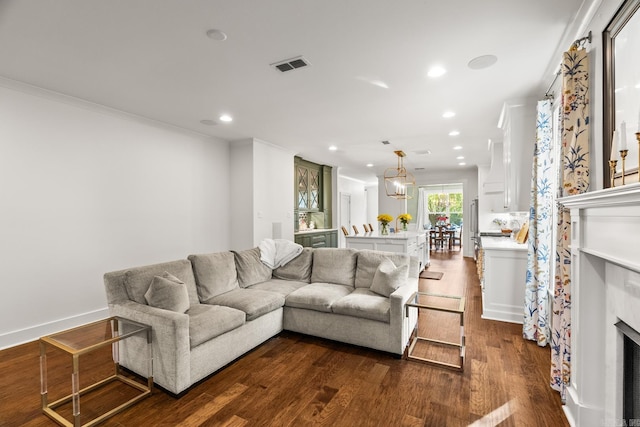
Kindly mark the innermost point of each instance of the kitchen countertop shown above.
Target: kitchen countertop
(314, 230)
(502, 244)
(377, 235)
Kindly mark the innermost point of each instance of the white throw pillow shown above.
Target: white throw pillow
(388, 277)
(169, 293)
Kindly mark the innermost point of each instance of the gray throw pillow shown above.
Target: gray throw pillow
(168, 293)
(249, 267)
(388, 277)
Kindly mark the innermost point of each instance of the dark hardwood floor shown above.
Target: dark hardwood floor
(299, 380)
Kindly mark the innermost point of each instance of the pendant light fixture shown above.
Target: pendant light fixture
(443, 198)
(399, 183)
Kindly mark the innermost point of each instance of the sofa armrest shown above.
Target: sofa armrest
(170, 343)
(401, 325)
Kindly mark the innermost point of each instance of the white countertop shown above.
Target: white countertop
(376, 234)
(314, 230)
(502, 244)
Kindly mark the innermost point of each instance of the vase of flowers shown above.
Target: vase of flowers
(384, 220)
(442, 220)
(404, 219)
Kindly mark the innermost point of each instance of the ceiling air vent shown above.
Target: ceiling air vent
(386, 142)
(291, 64)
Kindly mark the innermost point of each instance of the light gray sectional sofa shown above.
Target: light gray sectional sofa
(209, 309)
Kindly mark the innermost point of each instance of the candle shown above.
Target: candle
(623, 136)
(614, 153)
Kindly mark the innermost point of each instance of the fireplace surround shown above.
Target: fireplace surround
(605, 269)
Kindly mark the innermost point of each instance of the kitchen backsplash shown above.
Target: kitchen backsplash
(510, 220)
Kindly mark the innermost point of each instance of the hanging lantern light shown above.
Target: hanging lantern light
(443, 199)
(399, 183)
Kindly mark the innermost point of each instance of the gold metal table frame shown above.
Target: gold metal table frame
(74, 343)
(413, 302)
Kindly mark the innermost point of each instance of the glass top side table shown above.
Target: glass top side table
(437, 302)
(81, 341)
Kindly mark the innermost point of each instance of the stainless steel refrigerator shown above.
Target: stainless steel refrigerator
(473, 228)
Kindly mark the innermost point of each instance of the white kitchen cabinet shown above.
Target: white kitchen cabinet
(503, 279)
(518, 124)
(408, 242)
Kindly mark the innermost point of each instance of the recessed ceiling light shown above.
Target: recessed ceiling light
(458, 147)
(225, 118)
(436, 71)
(461, 164)
(454, 133)
(460, 158)
(332, 148)
(216, 35)
(448, 114)
(484, 61)
(208, 122)
(369, 165)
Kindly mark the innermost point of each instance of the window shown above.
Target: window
(445, 205)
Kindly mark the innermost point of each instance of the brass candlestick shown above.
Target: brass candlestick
(623, 154)
(612, 171)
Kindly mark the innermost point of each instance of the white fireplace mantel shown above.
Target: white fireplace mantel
(605, 288)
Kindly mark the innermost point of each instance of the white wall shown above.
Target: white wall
(273, 194)
(262, 195)
(355, 188)
(86, 190)
(372, 197)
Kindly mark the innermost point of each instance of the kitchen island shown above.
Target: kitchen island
(503, 278)
(409, 242)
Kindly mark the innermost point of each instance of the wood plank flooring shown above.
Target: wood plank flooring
(297, 380)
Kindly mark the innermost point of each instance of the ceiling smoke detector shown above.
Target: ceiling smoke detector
(291, 64)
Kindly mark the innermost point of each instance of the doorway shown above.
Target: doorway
(345, 216)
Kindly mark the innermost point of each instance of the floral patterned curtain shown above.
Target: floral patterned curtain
(574, 179)
(536, 308)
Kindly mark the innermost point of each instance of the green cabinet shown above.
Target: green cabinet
(312, 193)
(308, 186)
(318, 239)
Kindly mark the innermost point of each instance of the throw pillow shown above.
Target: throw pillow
(168, 293)
(249, 268)
(388, 277)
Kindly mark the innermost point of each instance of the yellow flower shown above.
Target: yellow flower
(385, 218)
(404, 218)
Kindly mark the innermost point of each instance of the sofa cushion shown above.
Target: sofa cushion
(334, 265)
(279, 286)
(209, 321)
(215, 274)
(253, 302)
(317, 296)
(298, 269)
(368, 262)
(168, 292)
(137, 280)
(249, 267)
(388, 277)
(365, 304)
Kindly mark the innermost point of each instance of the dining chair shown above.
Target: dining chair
(456, 238)
(355, 230)
(366, 229)
(345, 231)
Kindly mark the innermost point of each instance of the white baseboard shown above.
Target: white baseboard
(32, 333)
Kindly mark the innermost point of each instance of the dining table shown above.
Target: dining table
(441, 236)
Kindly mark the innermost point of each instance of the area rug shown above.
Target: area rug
(433, 275)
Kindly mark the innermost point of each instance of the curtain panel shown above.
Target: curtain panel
(573, 179)
(536, 307)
